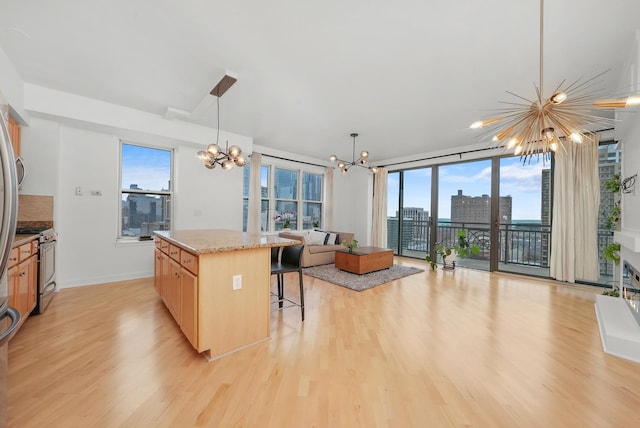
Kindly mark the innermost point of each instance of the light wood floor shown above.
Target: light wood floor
(436, 349)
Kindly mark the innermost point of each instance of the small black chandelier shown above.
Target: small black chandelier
(362, 161)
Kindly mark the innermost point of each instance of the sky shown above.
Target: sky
(149, 168)
(521, 182)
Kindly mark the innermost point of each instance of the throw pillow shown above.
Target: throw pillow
(316, 238)
(331, 239)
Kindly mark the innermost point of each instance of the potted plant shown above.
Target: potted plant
(449, 253)
(612, 251)
(350, 245)
(285, 217)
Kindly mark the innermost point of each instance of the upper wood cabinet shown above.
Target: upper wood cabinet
(14, 134)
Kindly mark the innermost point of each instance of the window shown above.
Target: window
(145, 194)
(264, 194)
(287, 195)
(311, 200)
(609, 169)
(285, 191)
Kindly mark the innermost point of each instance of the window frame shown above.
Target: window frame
(122, 191)
(300, 169)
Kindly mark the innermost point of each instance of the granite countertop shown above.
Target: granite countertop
(220, 240)
(23, 238)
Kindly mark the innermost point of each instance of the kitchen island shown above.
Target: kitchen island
(216, 283)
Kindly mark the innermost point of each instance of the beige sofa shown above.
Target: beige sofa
(315, 251)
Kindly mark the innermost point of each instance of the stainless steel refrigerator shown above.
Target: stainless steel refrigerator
(9, 317)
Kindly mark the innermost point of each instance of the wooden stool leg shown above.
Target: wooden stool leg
(301, 295)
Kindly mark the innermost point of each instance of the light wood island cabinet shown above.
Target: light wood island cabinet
(215, 283)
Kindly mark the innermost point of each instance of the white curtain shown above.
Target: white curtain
(576, 200)
(379, 221)
(253, 215)
(328, 211)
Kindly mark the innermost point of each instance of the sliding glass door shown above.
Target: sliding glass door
(408, 212)
(500, 205)
(525, 216)
(464, 206)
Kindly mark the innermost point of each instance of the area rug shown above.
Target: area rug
(332, 274)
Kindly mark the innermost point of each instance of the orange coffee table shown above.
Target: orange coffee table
(364, 259)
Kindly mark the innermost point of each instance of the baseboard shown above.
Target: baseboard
(102, 279)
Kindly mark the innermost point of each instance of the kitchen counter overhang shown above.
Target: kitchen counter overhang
(207, 241)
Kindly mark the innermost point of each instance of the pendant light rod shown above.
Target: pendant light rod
(541, 48)
(353, 152)
(214, 154)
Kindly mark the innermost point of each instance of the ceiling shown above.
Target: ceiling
(408, 79)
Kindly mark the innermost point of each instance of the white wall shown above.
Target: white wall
(41, 155)
(12, 88)
(75, 142)
(88, 251)
(627, 132)
(205, 198)
(353, 203)
(87, 225)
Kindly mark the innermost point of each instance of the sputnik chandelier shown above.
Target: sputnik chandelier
(541, 126)
(214, 155)
(362, 161)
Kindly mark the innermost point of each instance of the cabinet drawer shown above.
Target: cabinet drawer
(14, 256)
(164, 246)
(189, 262)
(158, 242)
(34, 247)
(25, 251)
(174, 252)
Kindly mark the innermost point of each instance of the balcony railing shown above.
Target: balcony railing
(526, 244)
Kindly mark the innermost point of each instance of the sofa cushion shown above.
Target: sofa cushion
(315, 249)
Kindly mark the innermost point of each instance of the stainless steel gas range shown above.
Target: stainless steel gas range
(47, 286)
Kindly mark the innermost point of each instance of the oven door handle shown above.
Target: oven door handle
(15, 320)
(50, 287)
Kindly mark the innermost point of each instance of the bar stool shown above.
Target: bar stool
(289, 261)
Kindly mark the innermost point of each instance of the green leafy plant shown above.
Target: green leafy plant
(462, 249)
(614, 185)
(316, 223)
(612, 252)
(350, 245)
(613, 292)
(431, 261)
